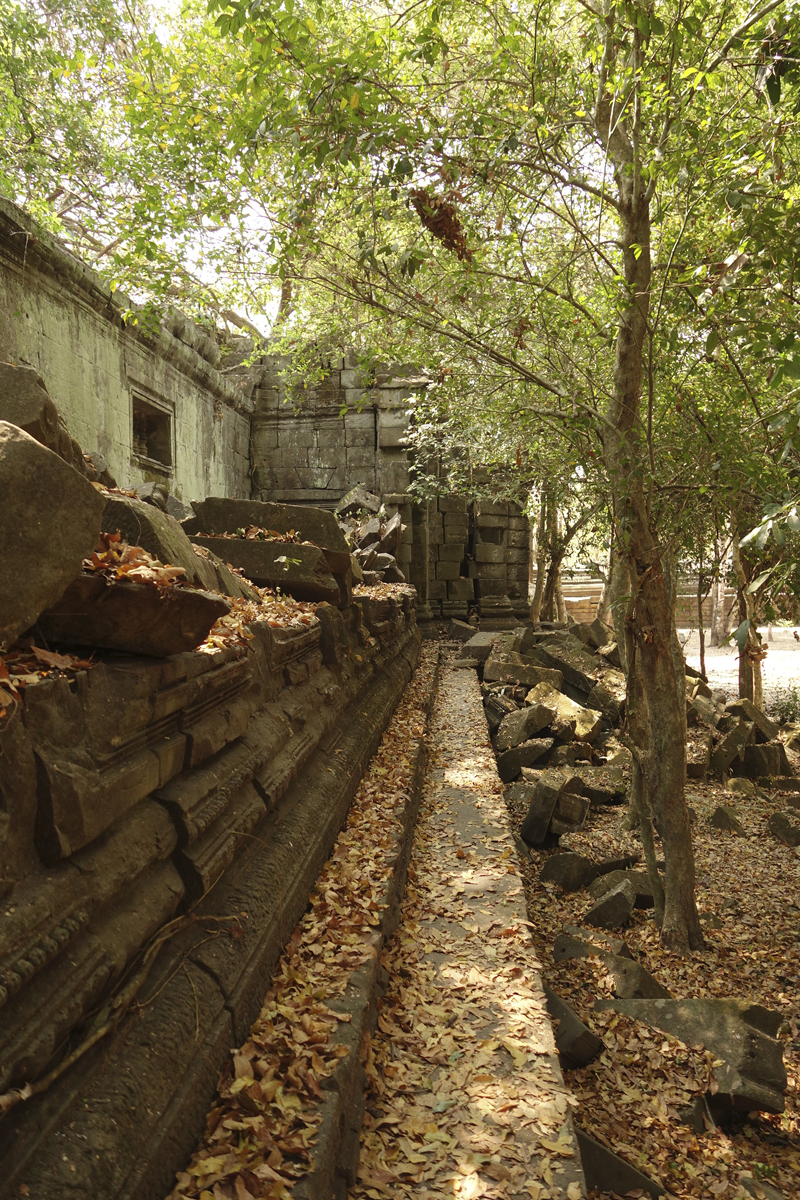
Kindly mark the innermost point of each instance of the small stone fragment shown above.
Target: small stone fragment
(521, 725)
(784, 828)
(725, 818)
(614, 908)
(571, 872)
(511, 762)
(574, 1039)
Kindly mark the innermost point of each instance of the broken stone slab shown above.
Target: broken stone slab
(26, 403)
(358, 499)
(571, 753)
(602, 785)
(605, 1171)
(759, 1189)
(732, 746)
(49, 522)
(569, 871)
(521, 725)
(460, 631)
(570, 813)
(543, 797)
(510, 667)
(216, 515)
(577, 665)
(495, 706)
(610, 652)
(480, 644)
(763, 760)
(708, 711)
(604, 941)
(511, 762)
(393, 574)
(785, 828)
(740, 786)
(724, 817)
(574, 1039)
(608, 700)
(584, 723)
(390, 537)
(766, 730)
(142, 524)
(607, 865)
(631, 979)
(638, 879)
(752, 1075)
(614, 908)
(301, 571)
(138, 618)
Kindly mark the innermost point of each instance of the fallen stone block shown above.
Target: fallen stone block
(543, 797)
(511, 762)
(574, 1039)
(570, 753)
(731, 747)
(610, 652)
(763, 760)
(584, 723)
(571, 872)
(301, 571)
(577, 665)
(698, 756)
(607, 700)
(614, 907)
(49, 522)
(724, 817)
(393, 574)
(496, 707)
(570, 813)
(521, 725)
(759, 1189)
(607, 865)
(217, 515)
(786, 829)
(460, 631)
(739, 786)
(766, 730)
(605, 1171)
(142, 524)
(708, 711)
(518, 668)
(752, 1075)
(639, 880)
(631, 980)
(135, 617)
(602, 785)
(390, 536)
(358, 499)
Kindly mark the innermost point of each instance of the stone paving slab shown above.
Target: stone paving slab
(465, 1094)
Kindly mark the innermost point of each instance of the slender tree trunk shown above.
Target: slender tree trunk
(701, 629)
(541, 558)
(604, 603)
(561, 604)
(620, 591)
(751, 683)
(650, 617)
(555, 554)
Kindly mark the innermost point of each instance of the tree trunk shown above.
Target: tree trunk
(561, 605)
(650, 618)
(604, 603)
(541, 558)
(620, 591)
(555, 554)
(751, 683)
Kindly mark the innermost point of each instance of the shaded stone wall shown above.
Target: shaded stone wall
(209, 785)
(59, 317)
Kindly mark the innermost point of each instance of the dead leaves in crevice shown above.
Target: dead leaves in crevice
(261, 1132)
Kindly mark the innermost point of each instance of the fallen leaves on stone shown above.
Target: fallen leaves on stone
(116, 559)
(463, 1099)
(260, 1133)
(24, 664)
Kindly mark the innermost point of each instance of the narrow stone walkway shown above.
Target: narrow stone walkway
(465, 1095)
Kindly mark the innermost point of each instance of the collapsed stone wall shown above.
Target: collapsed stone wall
(185, 805)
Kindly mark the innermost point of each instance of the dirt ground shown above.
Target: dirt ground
(781, 667)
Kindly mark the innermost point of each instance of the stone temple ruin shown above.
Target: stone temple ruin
(168, 406)
(152, 781)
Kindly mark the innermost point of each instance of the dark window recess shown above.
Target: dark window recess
(152, 432)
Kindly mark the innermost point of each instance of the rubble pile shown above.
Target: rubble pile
(374, 534)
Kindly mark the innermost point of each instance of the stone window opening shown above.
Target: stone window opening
(152, 433)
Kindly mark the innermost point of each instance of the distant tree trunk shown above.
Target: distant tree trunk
(751, 683)
(561, 605)
(555, 555)
(541, 558)
(604, 603)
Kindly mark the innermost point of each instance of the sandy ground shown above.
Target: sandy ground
(781, 667)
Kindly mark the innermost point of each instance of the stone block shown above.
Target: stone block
(484, 508)
(571, 872)
(485, 552)
(785, 828)
(582, 724)
(392, 431)
(574, 1040)
(456, 526)
(518, 539)
(518, 668)
(605, 1171)
(751, 1075)
(301, 571)
(359, 430)
(614, 908)
(437, 589)
(766, 730)
(49, 522)
(566, 655)
(571, 812)
(495, 707)
(643, 891)
(763, 760)
(452, 504)
(731, 747)
(631, 980)
(451, 552)
(216, 515)
(543, 797)
(511, 762)
(460, 589)
(493, 572)
(447, 570)
(521, 725)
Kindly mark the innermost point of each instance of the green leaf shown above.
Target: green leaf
(712, 341)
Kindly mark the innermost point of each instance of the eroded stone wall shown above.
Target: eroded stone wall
(207, 788)
(59, 317)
